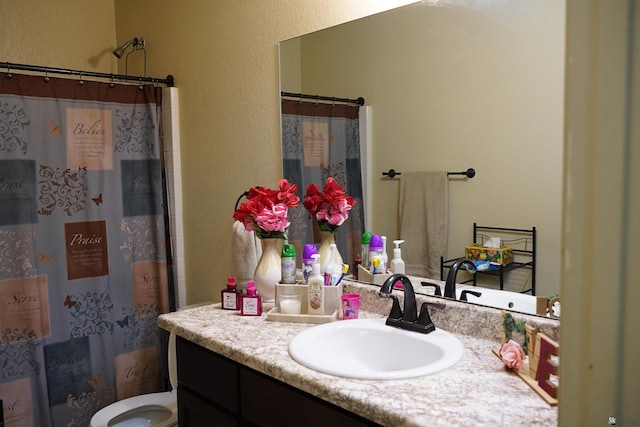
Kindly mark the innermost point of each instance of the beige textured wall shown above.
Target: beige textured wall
(74, 34)
(490, 97)
(224, 55)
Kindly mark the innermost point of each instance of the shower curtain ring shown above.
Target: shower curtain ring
(81, 82)
(140, 86)
(112, 84)
(46, 76)
(9, 75)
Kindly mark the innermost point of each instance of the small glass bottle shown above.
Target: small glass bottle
(230, 297)
(356, 263)
(252, 301)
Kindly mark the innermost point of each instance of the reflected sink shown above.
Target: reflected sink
(368, 349)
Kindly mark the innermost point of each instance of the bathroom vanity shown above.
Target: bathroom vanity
(235, 370)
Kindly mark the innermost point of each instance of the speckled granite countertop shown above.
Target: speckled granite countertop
(477, 391)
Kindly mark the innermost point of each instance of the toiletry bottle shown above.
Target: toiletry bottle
(375, 251)
(316, 289)
(307, 261)
(376, 265)
(252, 301)
(230, 297)
(332, 272)
(397, 264)
(288, 259)
(366, 239)
(385, 257)
(356, 263)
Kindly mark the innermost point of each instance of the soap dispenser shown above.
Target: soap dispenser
(397, 264)
(316, 289)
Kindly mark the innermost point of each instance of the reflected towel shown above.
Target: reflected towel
(245, 253)
(423, 221)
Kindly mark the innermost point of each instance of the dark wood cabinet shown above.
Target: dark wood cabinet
(214, 390)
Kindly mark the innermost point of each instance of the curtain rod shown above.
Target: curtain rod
(469, 173)
(168, 81)
(359, 101)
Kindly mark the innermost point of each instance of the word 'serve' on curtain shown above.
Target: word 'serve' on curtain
(83, 258)
(320, 141)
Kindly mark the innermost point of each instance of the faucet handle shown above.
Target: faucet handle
(463, 294)
(396, 311)
(424, 319)
(437, 290)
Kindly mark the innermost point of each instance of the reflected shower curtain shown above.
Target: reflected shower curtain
(318, 141)
(83, 264)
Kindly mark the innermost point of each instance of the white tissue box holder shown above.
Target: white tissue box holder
(332, 305)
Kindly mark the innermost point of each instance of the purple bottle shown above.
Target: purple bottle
(307, 261)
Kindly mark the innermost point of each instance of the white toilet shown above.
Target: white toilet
(147, 410)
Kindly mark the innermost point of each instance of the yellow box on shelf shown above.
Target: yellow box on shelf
(503, 255)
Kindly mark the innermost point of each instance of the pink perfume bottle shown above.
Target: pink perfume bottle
(230, 297)
(251, 302)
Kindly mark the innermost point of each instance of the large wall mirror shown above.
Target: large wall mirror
(455, 84)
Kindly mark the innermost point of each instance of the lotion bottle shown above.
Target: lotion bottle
(397, 264)
(316, 289)
(230, 297)
(252, 301)
(375, 251)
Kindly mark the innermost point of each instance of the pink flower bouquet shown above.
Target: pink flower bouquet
(266, 210)
(331, 208)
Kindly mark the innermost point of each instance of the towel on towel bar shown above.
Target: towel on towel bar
(423, 221)
(245, 253)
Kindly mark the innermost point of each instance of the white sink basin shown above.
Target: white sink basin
(369, 349)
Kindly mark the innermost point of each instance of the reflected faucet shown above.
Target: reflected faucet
(450, 284)
(408, 318)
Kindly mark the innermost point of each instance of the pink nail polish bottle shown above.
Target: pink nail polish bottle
(251, 302)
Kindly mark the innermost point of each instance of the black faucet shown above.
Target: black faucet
(408, 318)
(450, 284)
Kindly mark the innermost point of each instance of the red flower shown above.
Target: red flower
(331, 208)
(265, 210)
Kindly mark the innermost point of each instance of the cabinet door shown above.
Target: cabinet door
(194, 411)
(208, 374)
(268, 402)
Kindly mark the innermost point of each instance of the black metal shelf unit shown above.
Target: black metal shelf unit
(523, 243)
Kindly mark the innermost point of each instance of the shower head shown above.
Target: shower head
(119, 51)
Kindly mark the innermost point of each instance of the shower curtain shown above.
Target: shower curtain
(83, 258)
(320, 141)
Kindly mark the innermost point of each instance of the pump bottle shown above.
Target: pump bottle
(397, 264)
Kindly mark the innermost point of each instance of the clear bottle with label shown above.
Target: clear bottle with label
(316, 289)
(251, 302)
(230, 297)
(288, 260)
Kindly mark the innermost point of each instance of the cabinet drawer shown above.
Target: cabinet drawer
(268, 402)
(208, 374)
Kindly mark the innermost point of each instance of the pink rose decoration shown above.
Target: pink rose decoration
(512, 354)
